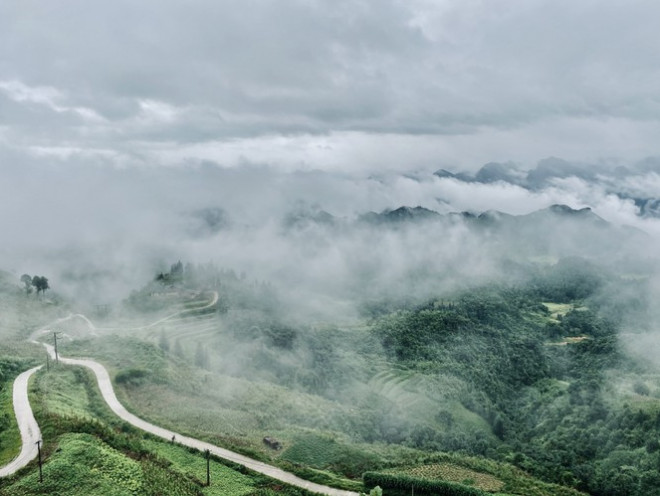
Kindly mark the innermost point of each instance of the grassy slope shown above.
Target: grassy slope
(105, 462)
(236, 412)
(239, 412)
(10, 437)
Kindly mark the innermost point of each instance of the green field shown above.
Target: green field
(10, 437)
(85, 456)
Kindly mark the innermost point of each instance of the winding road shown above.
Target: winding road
(27, 425)
(30, 432)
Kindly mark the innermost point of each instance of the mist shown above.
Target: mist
(100, 231)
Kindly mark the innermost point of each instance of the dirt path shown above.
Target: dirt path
(27, 425)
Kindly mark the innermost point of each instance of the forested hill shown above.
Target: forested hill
(546, 366)
(537, 372)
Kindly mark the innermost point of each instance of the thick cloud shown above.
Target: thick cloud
(124, 126)
(98, 230)
(459, 82)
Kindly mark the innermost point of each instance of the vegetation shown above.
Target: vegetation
(89, 451)
(40, 283)
(10, 438)
(521, 389)
(423, 486)
(456, 474)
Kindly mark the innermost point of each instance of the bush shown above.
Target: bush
(132, 377)
(399, 481)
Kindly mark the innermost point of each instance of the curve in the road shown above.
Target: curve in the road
(30, 432)
(27, 425)
(105, 385)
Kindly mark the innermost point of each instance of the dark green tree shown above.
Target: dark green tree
(41, 283)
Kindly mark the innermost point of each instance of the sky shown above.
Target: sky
(348, 85)
(119, 120)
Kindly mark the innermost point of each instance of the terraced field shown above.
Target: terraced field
(455, 473)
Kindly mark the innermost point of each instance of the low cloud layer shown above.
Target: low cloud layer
(101, 231)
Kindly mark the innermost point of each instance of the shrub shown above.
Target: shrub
(399, 481)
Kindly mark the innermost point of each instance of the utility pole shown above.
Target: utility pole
(208, 468)
(41, 475)
(47, 362)
(57, 359)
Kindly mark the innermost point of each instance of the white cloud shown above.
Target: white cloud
(509, 79)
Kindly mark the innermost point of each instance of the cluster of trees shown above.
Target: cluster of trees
(31, 283)
(549, 401)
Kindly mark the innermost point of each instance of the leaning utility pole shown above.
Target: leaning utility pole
(57, 359)
(208, 468)
(41, 476)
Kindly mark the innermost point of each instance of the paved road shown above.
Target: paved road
(30, 430)
(27, 425)
(105, 385)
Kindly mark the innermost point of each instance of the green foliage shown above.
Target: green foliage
(423, 486)
(83, 465)
(521, 375)
(40, 283)
(113, 459)
(133, 376)
(10, 438)
(569, 280)
(451, 472)
(326, 453)
(224, 480)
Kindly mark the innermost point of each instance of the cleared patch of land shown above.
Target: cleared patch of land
(455, 473)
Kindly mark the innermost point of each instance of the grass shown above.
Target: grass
(10, 437)
(84, 464)
(455, 473)
(514, 480)
(316, 432)
(67, 393)
(558, 309)
(85, 456)
(224, 480)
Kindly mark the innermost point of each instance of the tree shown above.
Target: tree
(27, 280)
(41, 283)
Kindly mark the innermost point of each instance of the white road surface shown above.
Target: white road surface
(30, 432)
(27, 425)
(105, 385)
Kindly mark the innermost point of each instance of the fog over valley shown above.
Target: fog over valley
(100, 231)
(351, 248)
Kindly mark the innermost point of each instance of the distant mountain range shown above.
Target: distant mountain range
(556, 231)
(550, 170)
(406, 214)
